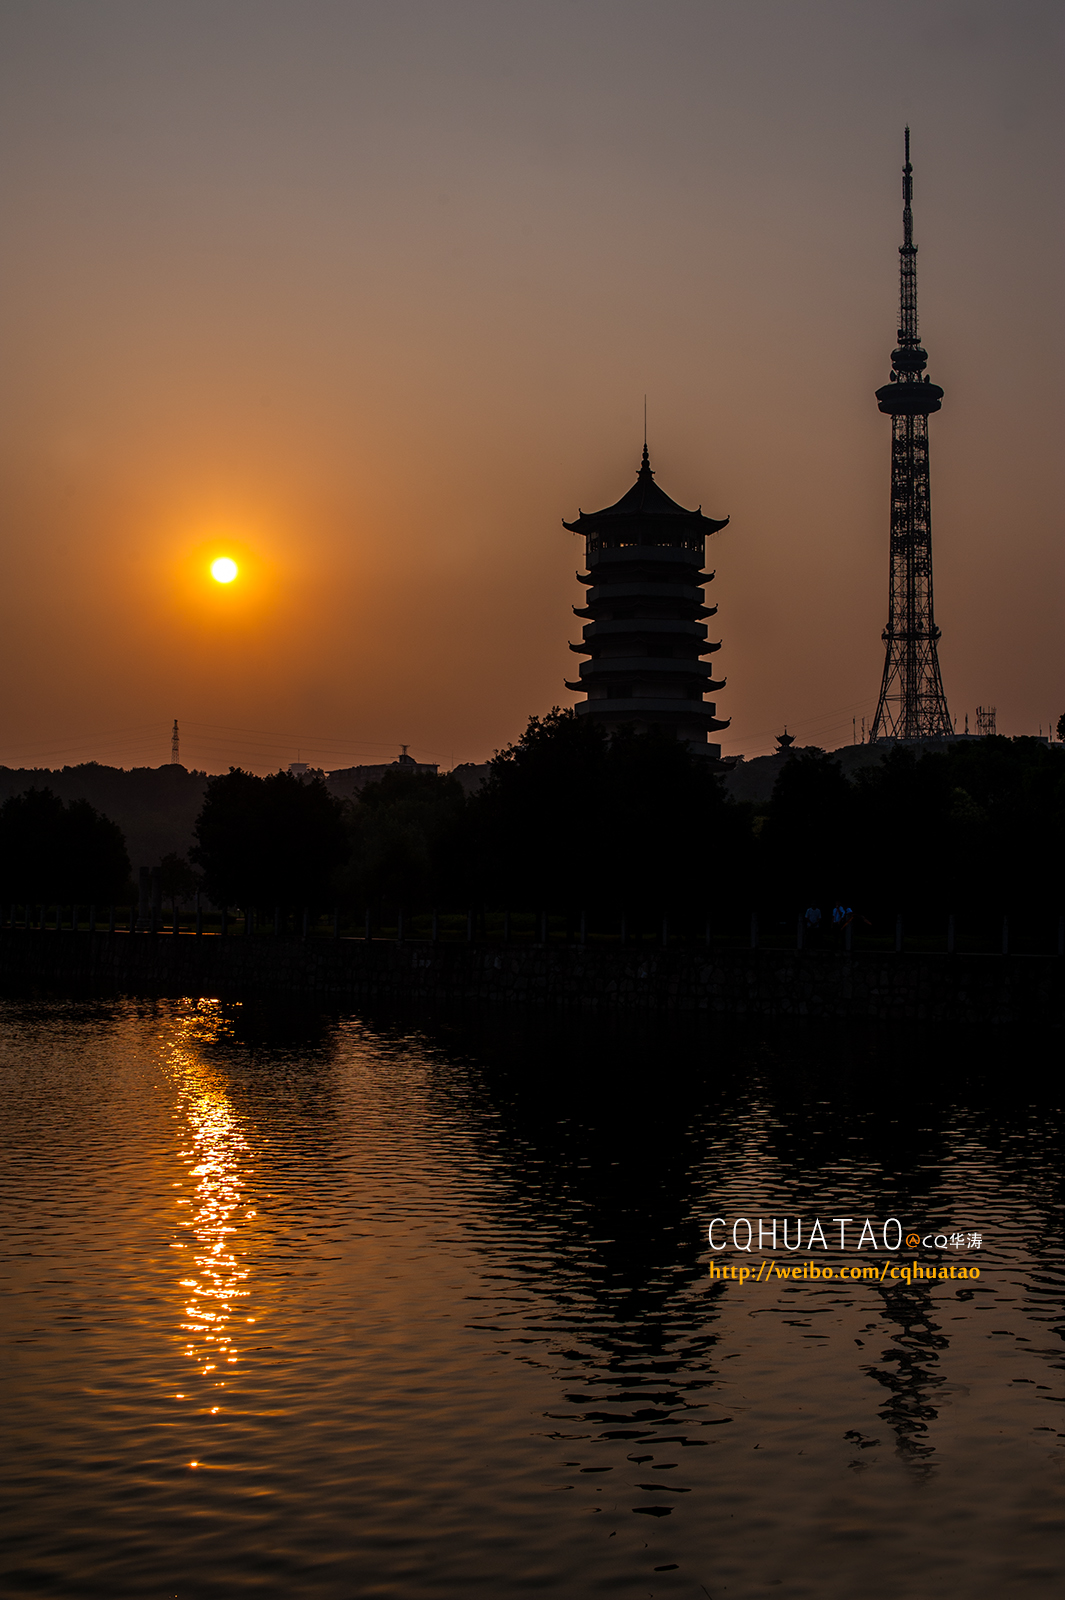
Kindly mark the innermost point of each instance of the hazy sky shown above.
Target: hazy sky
(369, 296)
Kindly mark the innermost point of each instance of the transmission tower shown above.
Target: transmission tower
(175, 753)
(912, 703)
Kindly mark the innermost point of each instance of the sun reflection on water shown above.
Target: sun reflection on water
(218, 1157)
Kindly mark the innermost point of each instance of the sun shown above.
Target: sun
(224, 570)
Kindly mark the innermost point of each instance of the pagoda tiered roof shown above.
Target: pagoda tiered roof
(645, 515)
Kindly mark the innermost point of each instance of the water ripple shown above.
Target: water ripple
(335, 1306)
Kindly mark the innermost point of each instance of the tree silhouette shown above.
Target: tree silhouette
(49, 851)
(178, 883)
(406, 841)
(274, 841)
(572, 817)
(807, 846)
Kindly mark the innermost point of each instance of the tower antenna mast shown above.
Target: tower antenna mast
(912, 702)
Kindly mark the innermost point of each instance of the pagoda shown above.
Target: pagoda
(645, 638)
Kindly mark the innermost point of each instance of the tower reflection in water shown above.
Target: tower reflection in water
(218, 1158)
(617, 1184)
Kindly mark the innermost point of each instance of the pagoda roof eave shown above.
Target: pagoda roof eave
(644, 504)
(613, 521)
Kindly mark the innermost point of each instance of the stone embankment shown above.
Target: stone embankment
(770, 983)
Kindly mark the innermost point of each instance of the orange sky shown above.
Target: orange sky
(370, 295)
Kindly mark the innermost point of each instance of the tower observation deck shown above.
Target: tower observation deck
(912, 703)
(645, 637)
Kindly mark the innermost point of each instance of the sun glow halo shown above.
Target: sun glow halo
(224, 570)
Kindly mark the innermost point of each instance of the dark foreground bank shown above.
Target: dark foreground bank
(769, 983)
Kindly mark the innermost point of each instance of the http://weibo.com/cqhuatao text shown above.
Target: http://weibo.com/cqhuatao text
(746, 1236)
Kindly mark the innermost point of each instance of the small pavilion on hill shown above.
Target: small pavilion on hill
(645, 637)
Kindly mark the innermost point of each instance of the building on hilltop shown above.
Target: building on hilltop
(645, 639)
(470, 775)
(351, 780)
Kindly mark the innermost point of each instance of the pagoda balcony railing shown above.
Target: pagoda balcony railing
(667, 625)
(633, 666)
(683, 551)
(687, 593)
(681, 710)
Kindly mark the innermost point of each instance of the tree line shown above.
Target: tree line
(570, 819)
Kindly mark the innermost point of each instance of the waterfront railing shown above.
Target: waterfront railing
(1027, 934)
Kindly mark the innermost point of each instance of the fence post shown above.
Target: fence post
(898, 933)
(754, 930)
(799, 929)
(1005, 935)
(950, 934)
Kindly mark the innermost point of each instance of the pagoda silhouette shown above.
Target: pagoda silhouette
(645, 638)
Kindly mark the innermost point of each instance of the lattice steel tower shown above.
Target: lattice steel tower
(912, 703)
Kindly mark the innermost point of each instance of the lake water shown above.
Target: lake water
(335, 1306)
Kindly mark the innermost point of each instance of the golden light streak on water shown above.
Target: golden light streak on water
(218, 1160)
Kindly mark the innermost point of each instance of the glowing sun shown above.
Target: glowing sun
(224, 570)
